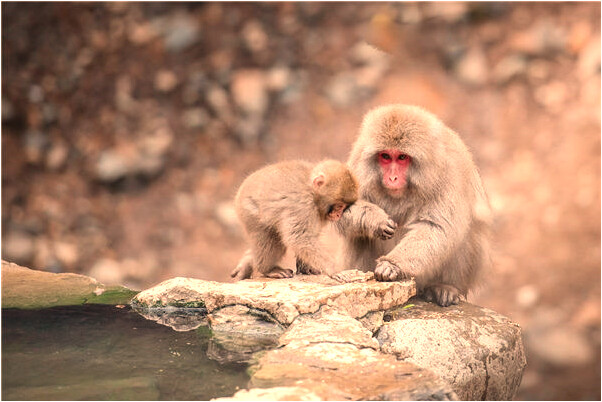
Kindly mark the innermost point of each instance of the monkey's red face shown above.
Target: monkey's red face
(394, 168)
(335, 211)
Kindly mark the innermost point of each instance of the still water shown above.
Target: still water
(108, 353)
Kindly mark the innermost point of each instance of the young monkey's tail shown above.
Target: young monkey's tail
(244, 269)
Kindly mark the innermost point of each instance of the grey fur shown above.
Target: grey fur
(280, 207)
(442, 217)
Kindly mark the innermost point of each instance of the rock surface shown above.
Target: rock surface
(479, 352)
(349, 338)
(283, 299)
(27, 289)
(336, 358)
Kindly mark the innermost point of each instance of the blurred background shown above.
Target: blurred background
(127, 127)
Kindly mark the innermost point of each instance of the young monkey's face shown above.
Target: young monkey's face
(336, 211)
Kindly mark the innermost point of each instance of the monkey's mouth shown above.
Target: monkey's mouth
(333, 217)
(395, 192)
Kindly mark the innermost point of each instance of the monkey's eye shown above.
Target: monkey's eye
(385, 157)
(402, 157)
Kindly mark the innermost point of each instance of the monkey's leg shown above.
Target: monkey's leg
(244, 269)
(313, 259)
(364, 219)
(267, 252)
(304, 268)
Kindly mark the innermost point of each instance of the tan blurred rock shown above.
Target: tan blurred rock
(165, 80)
(249, 91)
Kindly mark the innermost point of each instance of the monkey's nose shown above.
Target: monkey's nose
(393, 178)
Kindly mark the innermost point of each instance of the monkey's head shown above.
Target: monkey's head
(334, 188)
(395, 147)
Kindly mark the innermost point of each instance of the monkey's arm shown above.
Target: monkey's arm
(427, 243)
(364, 219)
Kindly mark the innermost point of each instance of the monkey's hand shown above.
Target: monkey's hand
(385, 230)
(386, 271)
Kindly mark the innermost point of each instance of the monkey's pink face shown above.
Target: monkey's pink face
(394, 168)
(336, 211)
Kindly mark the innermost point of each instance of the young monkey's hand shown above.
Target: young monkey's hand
(386, 229)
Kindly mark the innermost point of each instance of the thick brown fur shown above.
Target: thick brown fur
(286, 205)
(442, 216)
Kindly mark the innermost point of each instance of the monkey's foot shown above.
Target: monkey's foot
(388, 272)
(242, 271)
(385, 230)
(443, 295)
(304, 268)
(279, 273)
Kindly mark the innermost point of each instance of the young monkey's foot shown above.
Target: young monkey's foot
(304, 268)
(443, 295)
(279, 273)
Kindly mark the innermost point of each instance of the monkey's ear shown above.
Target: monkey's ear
(318, 180)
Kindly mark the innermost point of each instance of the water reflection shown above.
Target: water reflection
(107, 353)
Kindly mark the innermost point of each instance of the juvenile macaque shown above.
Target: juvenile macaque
(416, 171)
(286, 205)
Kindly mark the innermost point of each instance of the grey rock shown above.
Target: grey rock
(283, 299)
(179, 32)
(479, 352)
(195, 118)
(328, 326)
(35, 94)
(49, 113)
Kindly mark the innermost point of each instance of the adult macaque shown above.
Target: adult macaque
(285, 205)
(415, 170)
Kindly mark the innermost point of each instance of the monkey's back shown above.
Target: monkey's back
(274, 191)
